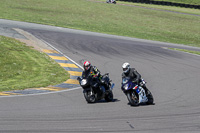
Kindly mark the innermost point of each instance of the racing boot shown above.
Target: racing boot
(102, 89)
(145, 89)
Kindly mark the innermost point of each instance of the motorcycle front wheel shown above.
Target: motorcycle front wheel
(90, 98)
(132, 98)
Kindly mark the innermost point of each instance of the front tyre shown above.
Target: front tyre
(109, 96)
(132, 98)
(90, 98)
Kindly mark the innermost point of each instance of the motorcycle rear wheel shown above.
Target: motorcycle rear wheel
(150, 98)
(132, 98)
(109, 96)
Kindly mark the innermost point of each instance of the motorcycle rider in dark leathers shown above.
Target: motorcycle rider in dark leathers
(93, 71)
(133, 75)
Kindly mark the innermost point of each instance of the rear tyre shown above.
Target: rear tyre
(132, 98)
(150, 98)
(109, 96)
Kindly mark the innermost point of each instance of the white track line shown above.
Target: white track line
(41, 93)
(62, 53)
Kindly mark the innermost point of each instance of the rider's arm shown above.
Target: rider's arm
(83, 74)
(123, 76)
(96, 71)
(138, 76)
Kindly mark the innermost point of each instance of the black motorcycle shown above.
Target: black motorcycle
(95, 89)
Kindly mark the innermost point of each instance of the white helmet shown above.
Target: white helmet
(126, 67)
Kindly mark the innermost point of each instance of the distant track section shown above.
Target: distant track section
(165, 3)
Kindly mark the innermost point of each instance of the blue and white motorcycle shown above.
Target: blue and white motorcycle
(135, 93)
(111, 1)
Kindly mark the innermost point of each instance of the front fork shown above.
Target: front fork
(91, 92)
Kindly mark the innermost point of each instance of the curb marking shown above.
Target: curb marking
(49, 51)
(50, 89)
(72, 81)
(74, 73)
(67, 65)
(58, 57)
(64, 62)
(7, 93)
(72, 69)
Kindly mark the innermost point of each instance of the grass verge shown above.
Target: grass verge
(163, 7)
(23, 67)
(187, 51)
(117, 19)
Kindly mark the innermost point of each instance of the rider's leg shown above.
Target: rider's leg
(145, 88)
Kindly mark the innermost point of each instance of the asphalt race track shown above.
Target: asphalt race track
(173, 78)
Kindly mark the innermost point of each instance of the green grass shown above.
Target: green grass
(23, 67)
(162, 7)
(107, 18)
(187, 51)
